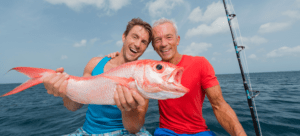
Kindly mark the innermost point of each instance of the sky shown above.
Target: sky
(68, 33)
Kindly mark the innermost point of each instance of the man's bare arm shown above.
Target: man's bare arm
(223, 112)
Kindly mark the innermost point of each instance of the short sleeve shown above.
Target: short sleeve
(207, 74)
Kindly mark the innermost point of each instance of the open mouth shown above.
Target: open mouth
(177, 74)
(175, 79)
(133, 50)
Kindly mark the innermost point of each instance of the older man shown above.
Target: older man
(184, 115)
(128, 115)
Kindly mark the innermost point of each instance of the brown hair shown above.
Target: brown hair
(138, 21)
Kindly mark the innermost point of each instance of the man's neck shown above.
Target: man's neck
(176, 59)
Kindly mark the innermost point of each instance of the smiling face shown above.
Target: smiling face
(135, 43)
(165, 41)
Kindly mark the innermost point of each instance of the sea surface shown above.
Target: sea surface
(33, 112)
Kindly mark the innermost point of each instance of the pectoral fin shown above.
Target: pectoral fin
(121, 80)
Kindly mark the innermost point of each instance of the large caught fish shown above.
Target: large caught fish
(153, 79)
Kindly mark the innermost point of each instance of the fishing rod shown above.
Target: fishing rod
(250, 98)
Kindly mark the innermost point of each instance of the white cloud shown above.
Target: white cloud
(284, 51)
(292, 14)
(217, 53)
(81, 43)
(196, 48)
(92, 41)
(213, 59)
(273, 27)
(252, 56)
(119, 43)
(196, 15)
(159, 7)
(118, 4)
(213, 11)
(297, 3)
(64, 57)
(77, 5)
(257, 40)
(218, 26)
(261, 50)
(230, 47)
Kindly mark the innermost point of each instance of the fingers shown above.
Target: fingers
(56, 84)
(129, 98)
(116, 54)
(138, 98)
(124, 99)
(118, 100)
(61, 69)
(113, 55)
(61, 85)
(47, 84)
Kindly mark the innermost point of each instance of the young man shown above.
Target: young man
(130, 109)
(184, 115)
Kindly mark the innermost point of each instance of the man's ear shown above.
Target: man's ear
(178, 40)
(123, 38)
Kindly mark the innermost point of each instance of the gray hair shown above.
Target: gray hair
(164, 20)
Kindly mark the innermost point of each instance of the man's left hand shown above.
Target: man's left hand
(128, 99)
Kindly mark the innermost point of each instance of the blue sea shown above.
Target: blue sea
(33, 112)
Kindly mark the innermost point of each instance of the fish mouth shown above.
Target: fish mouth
(175, 79)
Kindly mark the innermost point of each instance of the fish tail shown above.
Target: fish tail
(36, 75)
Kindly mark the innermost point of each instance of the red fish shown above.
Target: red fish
(153, 79)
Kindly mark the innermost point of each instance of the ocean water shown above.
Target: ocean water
(34, 113)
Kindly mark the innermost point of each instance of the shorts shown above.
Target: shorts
(167, 132)
(122, 132)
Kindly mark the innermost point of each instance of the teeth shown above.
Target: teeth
(133, 50)
(164, 50)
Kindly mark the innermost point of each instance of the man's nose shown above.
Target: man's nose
(164, 42)
(138, 44)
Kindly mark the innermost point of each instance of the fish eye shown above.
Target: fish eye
(159, 67)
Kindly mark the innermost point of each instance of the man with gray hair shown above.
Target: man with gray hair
(184, 115)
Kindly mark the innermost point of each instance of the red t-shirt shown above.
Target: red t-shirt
(184, 114)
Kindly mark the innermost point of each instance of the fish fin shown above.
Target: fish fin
(32, 72)
(121, 80)
(35, 74)
(27, 84)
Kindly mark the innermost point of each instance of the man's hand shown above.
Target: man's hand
(128, 99)
(56, 84)
(133, 107)
(113, 55)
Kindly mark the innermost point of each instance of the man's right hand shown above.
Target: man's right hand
(56, 84)
(113, 55)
